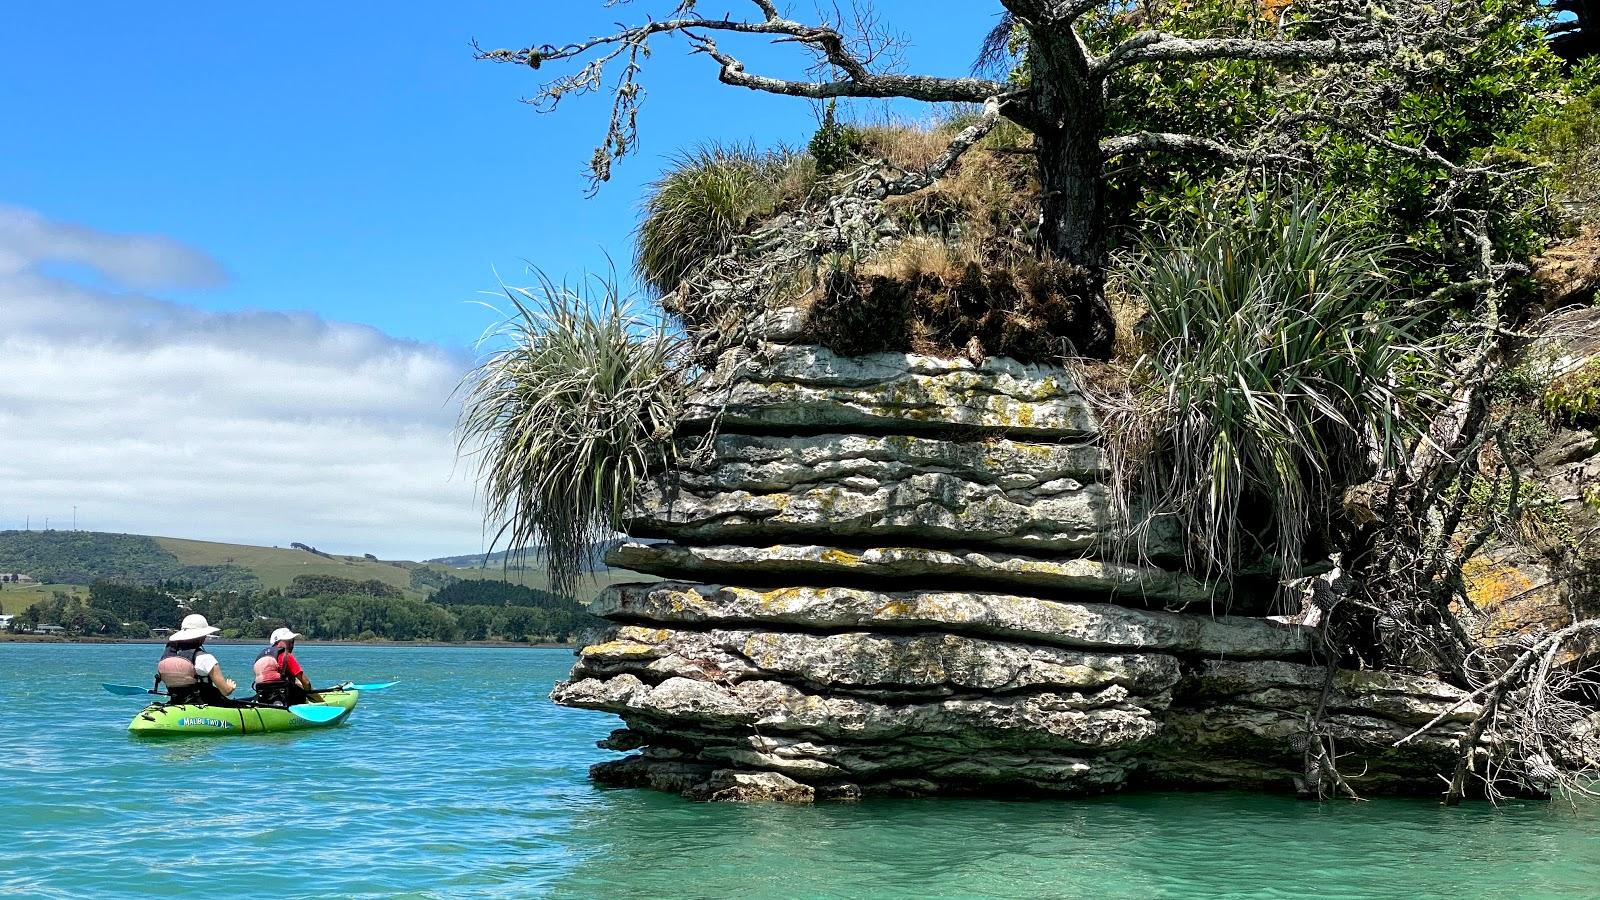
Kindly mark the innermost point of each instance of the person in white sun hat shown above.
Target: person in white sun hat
(191, 674)
(279, 678)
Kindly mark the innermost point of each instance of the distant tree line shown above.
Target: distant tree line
(321, 607)
(424, 578)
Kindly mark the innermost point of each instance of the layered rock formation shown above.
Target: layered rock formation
(898, 575)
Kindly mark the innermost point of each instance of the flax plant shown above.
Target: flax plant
(1271, 377)
(573, 408)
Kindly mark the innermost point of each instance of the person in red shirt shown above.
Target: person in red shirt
(279, 678)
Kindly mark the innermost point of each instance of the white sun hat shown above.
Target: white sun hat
(194, 626)
(283, 634)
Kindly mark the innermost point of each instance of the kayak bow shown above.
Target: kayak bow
(187, 719)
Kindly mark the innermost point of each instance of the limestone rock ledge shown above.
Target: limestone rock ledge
(805, 387)
(898, 575)
(819, 564)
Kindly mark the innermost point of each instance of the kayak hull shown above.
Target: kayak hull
(185, 719)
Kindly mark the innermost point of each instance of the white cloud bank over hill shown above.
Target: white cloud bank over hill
(255, 427)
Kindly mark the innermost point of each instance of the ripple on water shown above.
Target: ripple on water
(466, 781)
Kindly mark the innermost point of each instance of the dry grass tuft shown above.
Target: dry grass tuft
(967, 278)
(929, 299)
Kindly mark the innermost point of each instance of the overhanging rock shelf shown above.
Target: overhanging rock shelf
(893, 574)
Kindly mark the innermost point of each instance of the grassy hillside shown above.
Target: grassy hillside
(15, 598)
(68, 558)
(276, 567)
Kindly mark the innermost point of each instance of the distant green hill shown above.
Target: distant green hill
(81, 557)
(532, 558)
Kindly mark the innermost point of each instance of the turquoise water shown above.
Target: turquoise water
(466, 781)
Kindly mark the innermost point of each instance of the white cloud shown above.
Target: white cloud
(136, 260)
(256, 427)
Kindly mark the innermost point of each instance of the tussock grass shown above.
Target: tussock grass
(705, 200)
(1271, 376)
(567, 417)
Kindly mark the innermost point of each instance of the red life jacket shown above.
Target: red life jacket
(269, 665)
(176, 666)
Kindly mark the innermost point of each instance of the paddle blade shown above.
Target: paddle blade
(127, 690)
(317, 712)
(350, 686)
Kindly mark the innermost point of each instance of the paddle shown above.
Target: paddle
(347, 686)
(126, 690)
(317, 712)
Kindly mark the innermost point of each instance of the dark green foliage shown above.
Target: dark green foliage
(79, 557)
(1271, 379)
(836, 145)
(78, 618)
(131, 603)
(82, 557)
(332, 585)
(218, 578)
(487, 592)
(1575, 396)
(424, 578)
(357, 617)
(1474, 108)
(1569, 138)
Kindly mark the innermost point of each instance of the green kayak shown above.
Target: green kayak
(159, 718)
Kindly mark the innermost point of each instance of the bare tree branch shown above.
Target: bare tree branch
(1167, 142)
(914, 87)
(630, 47)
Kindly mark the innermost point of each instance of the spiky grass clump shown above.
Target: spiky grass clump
(1270, 378)
(705, 200)
(571, 412)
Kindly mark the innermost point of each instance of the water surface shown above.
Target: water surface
(467, 781)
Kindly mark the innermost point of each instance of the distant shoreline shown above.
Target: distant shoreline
(53, 639)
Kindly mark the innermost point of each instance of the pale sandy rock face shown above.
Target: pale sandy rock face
(900, 575)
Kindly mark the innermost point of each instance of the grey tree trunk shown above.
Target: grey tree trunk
(1068, 123)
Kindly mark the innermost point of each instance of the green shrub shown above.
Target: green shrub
(1575, 396)
(568, 417)
(1569, 138)
(835, 145)
(1269, 379)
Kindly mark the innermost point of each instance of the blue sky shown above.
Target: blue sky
(239, 245)
(352, 158)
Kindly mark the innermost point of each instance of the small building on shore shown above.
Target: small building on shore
(16, 578)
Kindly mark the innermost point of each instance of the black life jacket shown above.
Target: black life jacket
(275, 653)
(199, 687)
(187, 653)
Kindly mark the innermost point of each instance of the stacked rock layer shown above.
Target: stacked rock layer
(895, 574)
